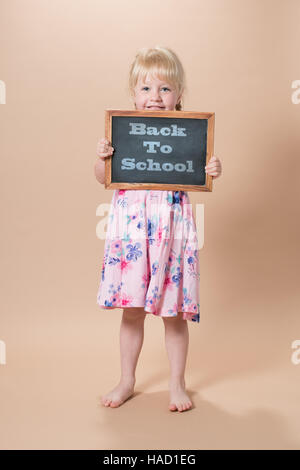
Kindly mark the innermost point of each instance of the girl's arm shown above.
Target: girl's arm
(100, 170)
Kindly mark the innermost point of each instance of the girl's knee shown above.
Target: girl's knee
(134, 313)
(176, 318)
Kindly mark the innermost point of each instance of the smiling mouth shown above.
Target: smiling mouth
(156, 107)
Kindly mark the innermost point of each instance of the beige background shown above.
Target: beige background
(64, 62)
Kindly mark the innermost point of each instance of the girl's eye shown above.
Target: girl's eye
(163, 88)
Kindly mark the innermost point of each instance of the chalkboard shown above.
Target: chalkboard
(159, 150)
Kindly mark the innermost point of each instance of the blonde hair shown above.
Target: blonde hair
(159, 61)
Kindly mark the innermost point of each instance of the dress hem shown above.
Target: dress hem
(153, 312)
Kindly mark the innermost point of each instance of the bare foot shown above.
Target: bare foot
(179, 399)
(118, 395)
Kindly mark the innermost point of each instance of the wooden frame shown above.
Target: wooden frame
(210, 117)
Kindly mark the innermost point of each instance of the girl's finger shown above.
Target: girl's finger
(213, 165)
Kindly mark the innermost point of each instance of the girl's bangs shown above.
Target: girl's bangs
(156, 70)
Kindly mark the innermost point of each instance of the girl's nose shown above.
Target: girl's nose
(155, 96)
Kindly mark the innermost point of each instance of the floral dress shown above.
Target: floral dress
(151, 255)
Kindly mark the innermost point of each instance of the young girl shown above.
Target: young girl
(157, 273)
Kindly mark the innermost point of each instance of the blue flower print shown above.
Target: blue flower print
(113, 261)
(151, 231)
(176, 277)
(122, 202)
(177, 197)
(134, 251)
(151, 228)
(190, 260)
(154, 267)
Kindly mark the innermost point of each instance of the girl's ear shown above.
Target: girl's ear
(179, 99)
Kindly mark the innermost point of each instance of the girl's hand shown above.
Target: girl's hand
(214, 167)
(104, 149)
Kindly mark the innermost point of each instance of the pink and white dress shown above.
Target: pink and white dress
(151, 255)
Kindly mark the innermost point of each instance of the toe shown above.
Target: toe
(172, 407)
(115, 404)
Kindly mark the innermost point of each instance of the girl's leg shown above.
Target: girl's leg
(131, 341)
(177, 340)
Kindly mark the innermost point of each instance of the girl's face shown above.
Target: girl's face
(155, 94)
